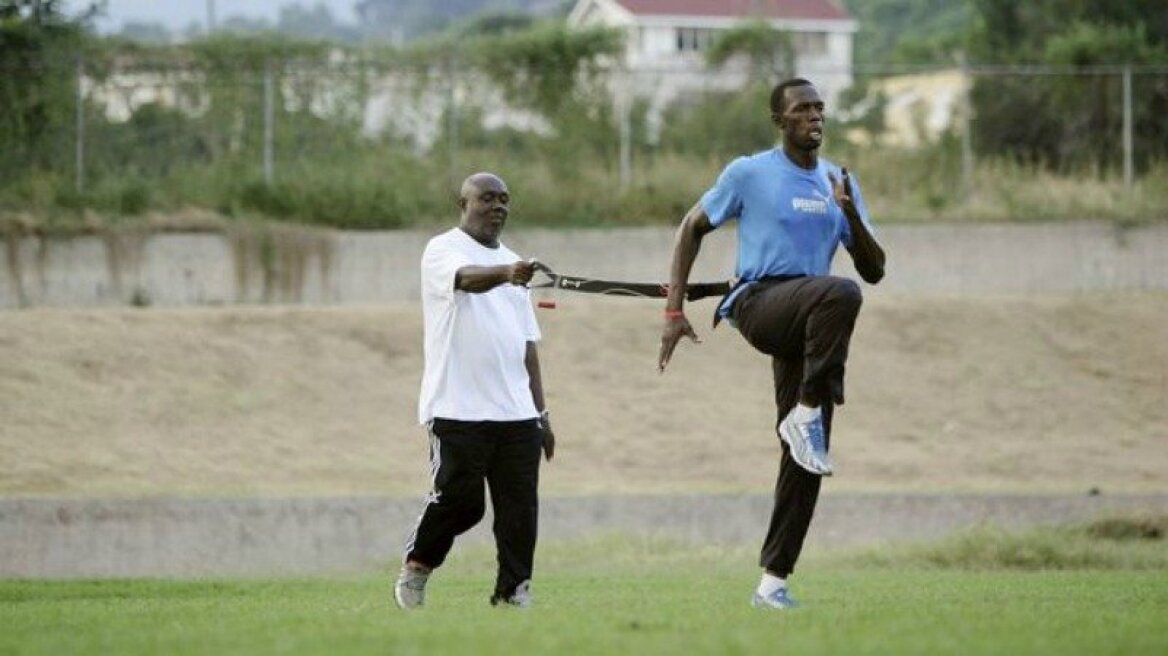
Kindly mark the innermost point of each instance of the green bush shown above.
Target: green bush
(273, 200)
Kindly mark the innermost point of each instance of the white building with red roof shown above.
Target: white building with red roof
(665, 41)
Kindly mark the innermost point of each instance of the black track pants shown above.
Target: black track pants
(805, 325)
(465, 455)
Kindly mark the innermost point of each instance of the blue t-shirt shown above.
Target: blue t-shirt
(788, 221)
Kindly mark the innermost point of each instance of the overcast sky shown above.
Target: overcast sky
(178, 14)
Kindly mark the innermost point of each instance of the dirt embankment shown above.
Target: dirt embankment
(1027, 394)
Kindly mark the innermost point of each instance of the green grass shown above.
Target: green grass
(372, 189)
(625, 596)
(695, 610)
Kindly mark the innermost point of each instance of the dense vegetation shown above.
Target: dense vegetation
(395, 21)
(1047, 147)
(1072, 123)
(910, 32)
(1068, 122)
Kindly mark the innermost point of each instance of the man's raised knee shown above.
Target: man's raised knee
(846, 291)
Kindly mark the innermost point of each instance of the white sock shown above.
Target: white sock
(770, 583)
(803, 414)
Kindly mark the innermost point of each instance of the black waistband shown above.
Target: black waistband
(765, 280)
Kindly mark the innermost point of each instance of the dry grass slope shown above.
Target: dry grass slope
(1026, 394)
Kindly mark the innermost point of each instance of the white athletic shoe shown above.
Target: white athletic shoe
(807, 442)
(410, 590)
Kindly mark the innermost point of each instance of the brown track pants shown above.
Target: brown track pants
(805, 325)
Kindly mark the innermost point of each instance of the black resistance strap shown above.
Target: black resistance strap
(693, 291)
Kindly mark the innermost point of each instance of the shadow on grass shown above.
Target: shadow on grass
(1113, 543)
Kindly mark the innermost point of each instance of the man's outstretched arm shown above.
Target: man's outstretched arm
(686, 244)
(479, 279)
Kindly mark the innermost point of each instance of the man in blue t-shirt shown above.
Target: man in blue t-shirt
(793, 210)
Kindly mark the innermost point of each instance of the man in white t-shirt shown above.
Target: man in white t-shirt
(482, 397)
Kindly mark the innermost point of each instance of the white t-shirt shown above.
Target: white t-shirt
(475, 344)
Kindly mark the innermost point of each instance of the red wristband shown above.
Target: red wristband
(674, 314)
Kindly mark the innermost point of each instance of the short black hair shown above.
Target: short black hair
(778, 94)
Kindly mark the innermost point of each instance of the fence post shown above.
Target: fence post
(210, 17)
(452, 120)
(966, 125)
(626, 138)
(269, 123)
(1128, 166)
(79, 131)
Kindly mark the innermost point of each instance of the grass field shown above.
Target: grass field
(1077, 594)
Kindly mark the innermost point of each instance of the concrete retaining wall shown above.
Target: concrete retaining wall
(303, 266)
(47, 538)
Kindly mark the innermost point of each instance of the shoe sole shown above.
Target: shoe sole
(398, 600)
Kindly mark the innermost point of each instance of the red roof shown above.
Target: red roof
(791, 9)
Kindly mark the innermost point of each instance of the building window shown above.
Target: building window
(694, 39)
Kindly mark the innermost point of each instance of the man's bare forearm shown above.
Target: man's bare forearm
(687, 242)
(866, 251)
(534, 376)
(479, 279)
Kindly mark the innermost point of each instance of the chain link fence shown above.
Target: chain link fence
(291, 137)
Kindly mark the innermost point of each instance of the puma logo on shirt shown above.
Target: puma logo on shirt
(809, 205)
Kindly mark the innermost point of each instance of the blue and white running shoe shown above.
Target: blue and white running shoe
(777, 600)
(808, 443)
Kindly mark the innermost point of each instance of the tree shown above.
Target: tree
(1065, 121)
(311, 22)
(143, 32)
(405, 20)
(402, 20)
(769, 52)
(315, 22)
(39, 46)
(547, 67)
(910, 31)
(243, 25)
(494, 24)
